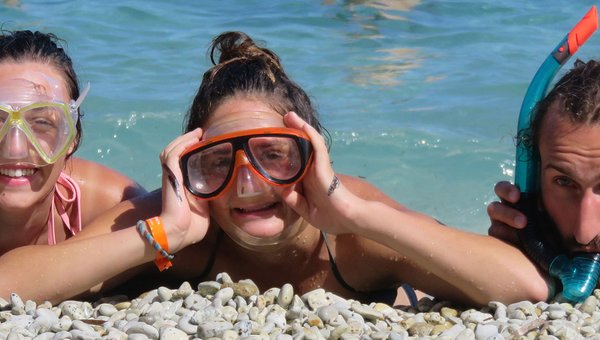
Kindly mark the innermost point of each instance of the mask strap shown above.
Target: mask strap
(75, 104)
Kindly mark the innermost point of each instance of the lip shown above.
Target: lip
(585, 249)
(20, 180)
(256, 211)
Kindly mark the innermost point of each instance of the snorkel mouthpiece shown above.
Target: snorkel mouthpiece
(578, 275)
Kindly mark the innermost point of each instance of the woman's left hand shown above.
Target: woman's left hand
(320, 198)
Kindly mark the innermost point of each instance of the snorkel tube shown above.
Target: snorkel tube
(579, 274)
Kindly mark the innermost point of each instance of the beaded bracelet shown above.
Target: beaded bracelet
(158, 240)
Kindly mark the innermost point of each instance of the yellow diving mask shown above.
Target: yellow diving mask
(36, 127)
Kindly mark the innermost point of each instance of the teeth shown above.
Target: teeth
(16, 172)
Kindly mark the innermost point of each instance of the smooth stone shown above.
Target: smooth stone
(82, 326)
(243, 289)
(63, 324)
(589, 305)
(447, 311)
(327, 313)
(164, 293)
(186, 325)
(172, 333)
(106, 309)
(45, 318)
(18, 307)
(366, 311)
(30, 307)
(420, 329)
(213, 328)
(134, 327)
(224, 294)
(3, 303)
(83, 335)
(224, 278)
(286, 295)
(499, 308)
(486, 331)
(184, 290)
(315, 298)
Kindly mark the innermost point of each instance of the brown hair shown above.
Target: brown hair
(22, 46)
(244, 68)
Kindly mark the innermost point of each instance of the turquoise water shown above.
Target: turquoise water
(421, 97)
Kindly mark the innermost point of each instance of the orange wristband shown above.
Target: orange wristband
(158, 232)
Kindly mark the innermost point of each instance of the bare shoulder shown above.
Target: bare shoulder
(368, 191)
(101, 187)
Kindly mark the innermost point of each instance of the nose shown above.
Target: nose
(15, 144)
(588, 227)
(248, 184)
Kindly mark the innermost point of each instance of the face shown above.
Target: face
(570, 168)
(250, 211)
(23, 185)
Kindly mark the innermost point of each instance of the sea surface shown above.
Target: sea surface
(421, 97)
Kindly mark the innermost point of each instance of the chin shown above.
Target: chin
(265, 237)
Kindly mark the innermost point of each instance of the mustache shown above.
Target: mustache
(572, 244)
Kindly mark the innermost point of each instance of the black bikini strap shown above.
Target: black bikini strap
(408, 289)
(212, 257)
(334, 267)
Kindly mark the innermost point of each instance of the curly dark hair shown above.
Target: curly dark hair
(578, 95)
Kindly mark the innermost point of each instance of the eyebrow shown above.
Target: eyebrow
(570, 171)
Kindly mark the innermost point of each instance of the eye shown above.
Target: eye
(563, 181)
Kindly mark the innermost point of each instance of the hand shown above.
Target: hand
(185, 218)
(310, 199)
(505, 219)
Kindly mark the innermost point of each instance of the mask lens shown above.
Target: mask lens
(209, 169)
(50, 128)
(278, 158)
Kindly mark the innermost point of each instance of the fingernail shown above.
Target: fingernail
(520, 221)
(513, 196)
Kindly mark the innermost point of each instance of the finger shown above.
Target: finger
(293, 120)
(504, 232)
(187, 140)
(321, 168)
(507, 191)
(500, 212)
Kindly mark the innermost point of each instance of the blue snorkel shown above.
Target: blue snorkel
(579, 274)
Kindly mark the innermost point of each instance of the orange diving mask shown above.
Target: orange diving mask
(279, 156)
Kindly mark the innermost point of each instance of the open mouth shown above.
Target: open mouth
(16, 173)
(256, 209)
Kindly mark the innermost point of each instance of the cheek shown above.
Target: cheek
(561, 210)
(219, 208)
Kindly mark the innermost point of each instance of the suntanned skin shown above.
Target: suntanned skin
(570, 183)
(443, 261)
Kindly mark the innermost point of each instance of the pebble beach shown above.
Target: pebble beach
(224, 309)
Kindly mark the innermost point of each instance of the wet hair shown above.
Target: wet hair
(577, 95)
(247, 70)
(46, 48)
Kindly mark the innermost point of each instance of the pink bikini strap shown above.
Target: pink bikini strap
(60, 202)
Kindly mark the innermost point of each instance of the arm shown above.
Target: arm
(109, 250)
(479, 267)
(101, 187)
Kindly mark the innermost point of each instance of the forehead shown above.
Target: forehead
(237, 114)
(27, 81)
(560, 136)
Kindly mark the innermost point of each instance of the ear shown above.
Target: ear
(72, 147)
